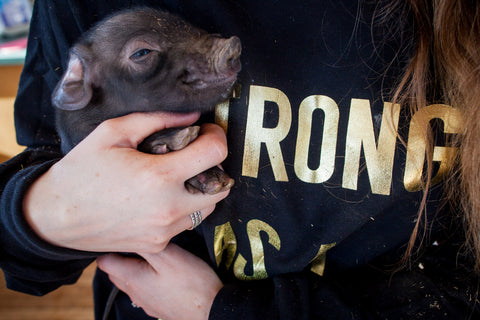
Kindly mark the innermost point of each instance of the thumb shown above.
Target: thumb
(120, 267)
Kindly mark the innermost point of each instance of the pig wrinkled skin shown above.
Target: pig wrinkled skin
(144, 60)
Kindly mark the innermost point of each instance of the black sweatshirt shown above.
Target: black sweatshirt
(326, 196)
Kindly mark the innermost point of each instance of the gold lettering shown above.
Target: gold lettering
(417, 144)
(254, 227)
(379, 159)
(221, 114)
(329, 139)
(222, 109)
(318, 263)
(224, 241)
(256, 134)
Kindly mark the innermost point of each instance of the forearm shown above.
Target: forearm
(30, 264)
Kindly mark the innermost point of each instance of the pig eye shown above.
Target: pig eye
(140, 53)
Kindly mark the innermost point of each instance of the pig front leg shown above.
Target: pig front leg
(211, 181)
(169, 140)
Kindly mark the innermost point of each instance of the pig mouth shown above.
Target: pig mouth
(211, 82)
(216, 79)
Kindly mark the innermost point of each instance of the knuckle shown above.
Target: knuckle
(161, 246)
(109, 126)
(220, 145)
(167, 217)
(157, 245)
(150, 312)
(216, 139)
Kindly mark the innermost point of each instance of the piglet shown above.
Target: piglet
(144, 60)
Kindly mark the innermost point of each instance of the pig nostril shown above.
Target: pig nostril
(233, 64)
(232, 53)
(185, 75)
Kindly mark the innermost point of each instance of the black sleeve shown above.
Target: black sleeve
(54, 28)
(30, 264)
(439, 286)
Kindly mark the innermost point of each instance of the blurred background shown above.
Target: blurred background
(14, 22)
(69, 302)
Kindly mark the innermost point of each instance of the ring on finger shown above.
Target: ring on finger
(196, 219)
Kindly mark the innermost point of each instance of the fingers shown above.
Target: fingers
(207, 151)
(120, 266)
(184, 222)
(172, 284)
(120, 269)
(171, 257)
(150, 175)
(192, 202)
(130, 130)
(195, 218)
(168, 256)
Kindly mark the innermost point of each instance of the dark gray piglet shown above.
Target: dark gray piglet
(144, 60)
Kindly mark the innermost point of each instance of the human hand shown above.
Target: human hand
(172, 284)
(105, 196)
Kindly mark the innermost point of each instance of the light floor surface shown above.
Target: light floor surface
(72, 302)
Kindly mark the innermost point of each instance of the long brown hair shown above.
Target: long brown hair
(446, 64)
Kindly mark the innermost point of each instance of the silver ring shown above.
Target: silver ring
(134, 305)
(196, 219)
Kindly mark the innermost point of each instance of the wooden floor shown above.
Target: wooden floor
(73, 302)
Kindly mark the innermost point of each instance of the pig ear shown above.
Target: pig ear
(74, 91)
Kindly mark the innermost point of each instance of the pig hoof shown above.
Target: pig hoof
(211, 181)
(168, 140)
(159, 149)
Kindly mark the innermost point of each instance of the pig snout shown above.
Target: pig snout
(214, 66)
(227, 55)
